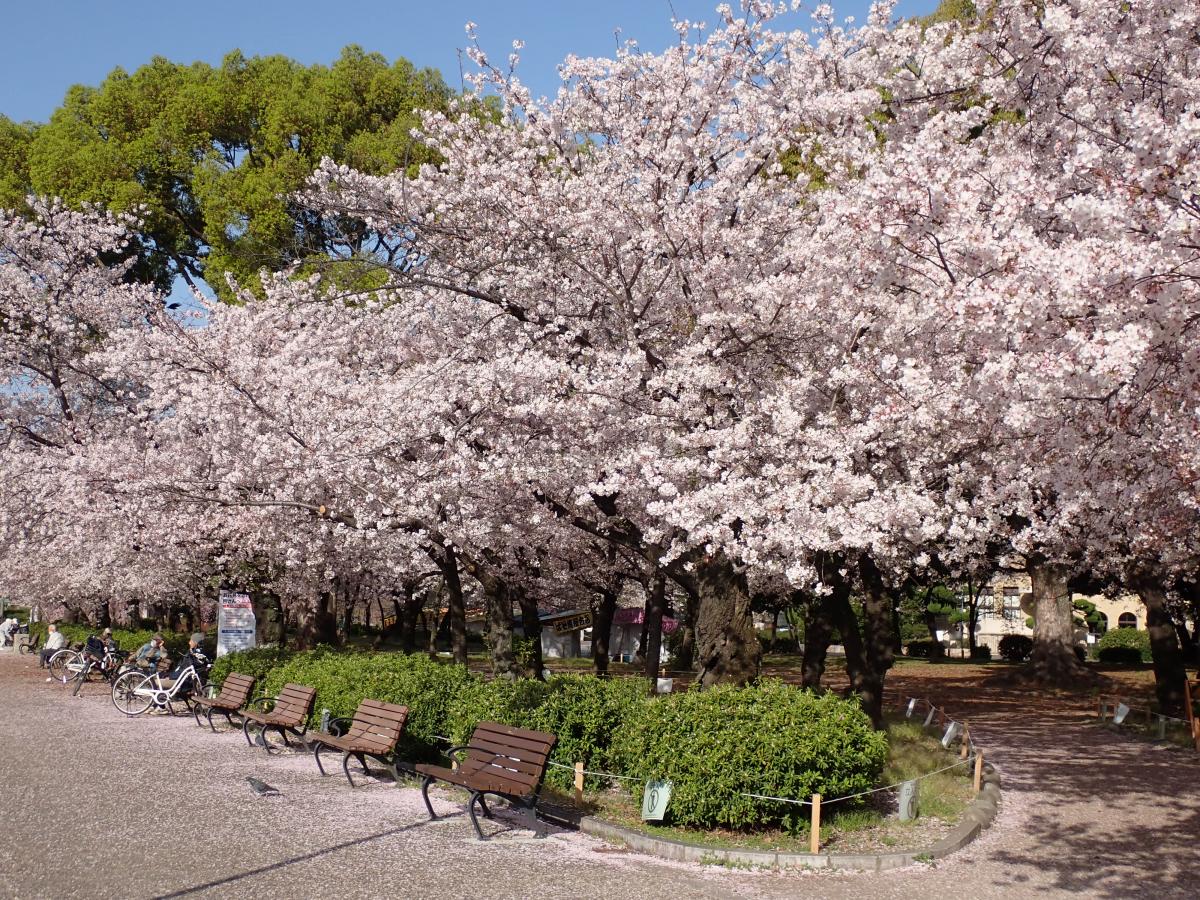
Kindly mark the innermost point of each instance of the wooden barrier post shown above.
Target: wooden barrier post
(579, 782)
(814, 840)
(966, 742)
(1102, 708)
(978, 770)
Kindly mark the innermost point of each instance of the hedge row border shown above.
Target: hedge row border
(979, 815)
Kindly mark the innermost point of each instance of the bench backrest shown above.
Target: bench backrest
(513, 759)
(294, 704)
(378, 723)
(236, 689)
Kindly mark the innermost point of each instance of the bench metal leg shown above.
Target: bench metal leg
(213, 727)
(317, 748)
(425, 783)
(346, 768)
(483, 808)
(539, 827)
(246, 731)
(196, 713)
(471, 812)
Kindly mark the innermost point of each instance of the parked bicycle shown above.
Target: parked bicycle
(97, 659)
(135, 691)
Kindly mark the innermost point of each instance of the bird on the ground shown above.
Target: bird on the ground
(261, 787)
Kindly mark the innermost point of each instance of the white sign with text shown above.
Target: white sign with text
(235, 623)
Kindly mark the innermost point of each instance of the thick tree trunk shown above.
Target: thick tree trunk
(774, 630)
(727, 649)
(1169, 674)
(1054, 660)
(603, 608)
(818, 635)
(656, 599)
(500, 627)
(317, 623)
(268, 617)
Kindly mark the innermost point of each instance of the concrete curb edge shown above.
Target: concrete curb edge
(978, 816)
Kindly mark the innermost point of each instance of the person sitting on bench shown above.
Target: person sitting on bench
(55, 641)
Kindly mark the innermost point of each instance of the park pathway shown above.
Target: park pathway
(92, 804)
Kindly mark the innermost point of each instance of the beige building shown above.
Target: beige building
(1007, 604)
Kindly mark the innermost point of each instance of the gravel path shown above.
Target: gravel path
(93, 804)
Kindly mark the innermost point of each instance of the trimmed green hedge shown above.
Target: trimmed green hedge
(427, 687)
(585, 713)
(258, 663)
(923, 649)
(718, 744)
(714, 744)
(131, 640)
(1127, 646)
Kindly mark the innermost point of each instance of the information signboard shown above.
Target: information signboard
(235, 623)
(655, 799)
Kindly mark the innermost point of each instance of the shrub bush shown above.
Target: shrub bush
(1016, 647)
(982, 653)
(427, 687)
(922, 649)
(1120, 656)
(717, 744)
(1124, 639)
(258, 663)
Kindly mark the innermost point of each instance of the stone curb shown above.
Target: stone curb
(978, 815)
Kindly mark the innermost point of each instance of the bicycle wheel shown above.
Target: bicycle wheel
(59, 665)
(130, 693)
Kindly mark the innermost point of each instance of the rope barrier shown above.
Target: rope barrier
(1152, 712)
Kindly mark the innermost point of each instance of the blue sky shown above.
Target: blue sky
(53, 44)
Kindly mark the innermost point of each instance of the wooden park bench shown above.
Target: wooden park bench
(374, 731)
(289, 713)
(506, 762)
(235, 691)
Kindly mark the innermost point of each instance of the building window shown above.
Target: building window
(1127, 620)
(1012, 605)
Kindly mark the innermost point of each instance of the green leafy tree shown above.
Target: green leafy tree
(214, 155)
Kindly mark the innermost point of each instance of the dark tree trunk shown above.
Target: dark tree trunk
(685, 655)
(498, 601)
(317, 623)
(774, 629)
(1054, 660)
(972, 616)
(458, 610)
(655, 606)
(408, 614)
(603, 608)
(268, 617)
(937, 651)
(727, 648)
(1169, 674)
(531, 624)
(818, 635)
(878, 653)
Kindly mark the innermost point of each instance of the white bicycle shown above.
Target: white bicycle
(134, 692)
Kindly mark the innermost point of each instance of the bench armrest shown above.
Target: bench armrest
(339, 726)
(264, 699)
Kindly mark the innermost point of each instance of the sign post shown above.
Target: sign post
(235, 623)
